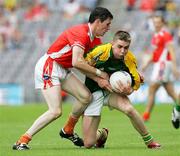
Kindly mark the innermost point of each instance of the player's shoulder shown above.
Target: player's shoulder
(105, 46)
(165, 32)
(80, 28)
(130, 55)
(102, 49)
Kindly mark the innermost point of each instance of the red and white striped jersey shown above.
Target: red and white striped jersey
(159, 42)
(79, 35)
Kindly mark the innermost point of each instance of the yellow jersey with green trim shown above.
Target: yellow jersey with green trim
(102, 58)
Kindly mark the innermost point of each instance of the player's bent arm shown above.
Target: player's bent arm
(170, 48)
(143, 68)
(93, 77)
(79, 62)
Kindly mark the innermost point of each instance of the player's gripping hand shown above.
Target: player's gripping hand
(176, 73)
(104, 83)
(124, 89)
(104, 75)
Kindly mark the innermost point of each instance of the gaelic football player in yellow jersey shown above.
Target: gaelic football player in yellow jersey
(112, 57)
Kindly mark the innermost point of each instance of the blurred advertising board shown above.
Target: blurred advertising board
(11, 94)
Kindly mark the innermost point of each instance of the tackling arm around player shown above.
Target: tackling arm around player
(52, 73)
(112, 57)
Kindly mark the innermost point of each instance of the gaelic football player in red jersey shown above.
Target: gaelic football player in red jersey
(52, 74)
(164, 66)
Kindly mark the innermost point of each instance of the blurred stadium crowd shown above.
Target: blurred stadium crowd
(27, 27)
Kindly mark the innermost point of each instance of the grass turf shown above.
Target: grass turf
(123, 140)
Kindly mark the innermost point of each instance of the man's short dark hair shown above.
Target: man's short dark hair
(122, 35)
(100, 13)
(161, 17)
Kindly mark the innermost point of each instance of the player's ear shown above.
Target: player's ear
(98, 21)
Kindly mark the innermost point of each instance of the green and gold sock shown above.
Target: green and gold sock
(177, 106)
(148, 138)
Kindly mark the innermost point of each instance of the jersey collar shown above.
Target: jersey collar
(90, 32)
(160, 32)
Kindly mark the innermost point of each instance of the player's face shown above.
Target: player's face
(120, 48)
(158, 23)
(103, 27)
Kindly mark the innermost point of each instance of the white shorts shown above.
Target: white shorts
(162, 72)
(48, 73)
(100, 98)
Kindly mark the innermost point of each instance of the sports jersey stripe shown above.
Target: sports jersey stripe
(90, 34)
(47, 71)
(77, 44)
(163, 55)
(58, 54)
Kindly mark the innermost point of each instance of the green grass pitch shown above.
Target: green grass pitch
(123, 140)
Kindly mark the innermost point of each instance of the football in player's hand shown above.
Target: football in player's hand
(121, 76)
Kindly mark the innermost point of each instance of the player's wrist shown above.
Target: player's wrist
(98, 72)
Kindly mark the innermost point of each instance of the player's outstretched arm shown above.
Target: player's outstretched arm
(146, 64)
(170, 48)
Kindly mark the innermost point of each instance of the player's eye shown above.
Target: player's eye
(127, 47)
(119, 46)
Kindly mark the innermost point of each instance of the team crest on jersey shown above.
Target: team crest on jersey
(46, 77)
(96, 58)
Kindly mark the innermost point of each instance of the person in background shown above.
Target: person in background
(164, 66)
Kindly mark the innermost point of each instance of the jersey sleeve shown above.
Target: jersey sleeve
(99, 53)
(168, 37)
(93, 56)
(131, 63)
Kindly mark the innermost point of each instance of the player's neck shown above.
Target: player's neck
(158, 30)
(93, 29)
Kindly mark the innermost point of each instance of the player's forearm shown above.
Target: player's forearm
(93, 77)
(147, 63)
(79, 62)
(87, 69)
(143, 68)
(173, 56)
